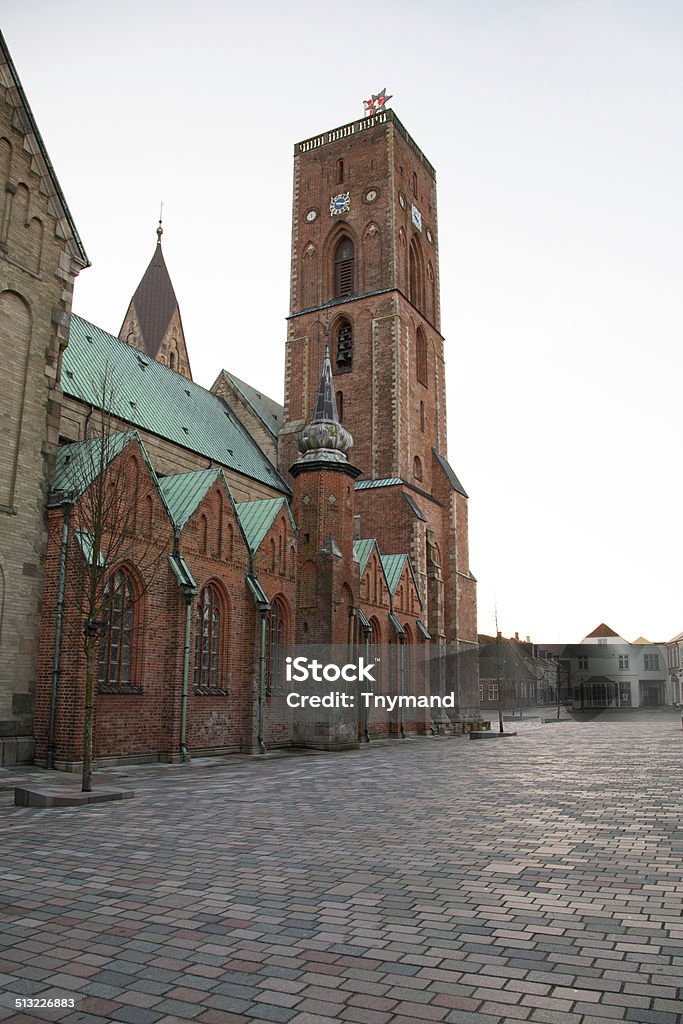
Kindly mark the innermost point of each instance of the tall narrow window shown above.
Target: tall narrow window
(343, 268)
(415, 275)
(340, 172)
(415, 184)
(344, 345)
(207, 639)
(116, 639)
(340, 405)
(422, 417)
(417, 468)
(276, 644)
(421, 357)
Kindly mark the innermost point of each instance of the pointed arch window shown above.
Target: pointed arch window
(115, 658)
(276, 644)
(339, 397)
(417, 467)
(421, 357)
(415, 275)
(340, 172)
(207, 639)
(344, 333)
(344, 268)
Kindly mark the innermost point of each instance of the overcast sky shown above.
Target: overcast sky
(555, 130)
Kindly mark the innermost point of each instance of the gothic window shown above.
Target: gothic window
(421, 357)
(343, 268)
(116, 639)
(431, 294)
(344, 345)
(340, 405)
(340, 172)
(417, 468)
(171, 360)
(422, 417)
(276, 644)
(207, 639)
(415, 275)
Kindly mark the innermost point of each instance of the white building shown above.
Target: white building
(606, 671)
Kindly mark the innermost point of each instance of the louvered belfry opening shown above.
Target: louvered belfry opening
(344, 345)
(343, 268)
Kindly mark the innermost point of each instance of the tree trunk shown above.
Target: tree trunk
(90, 654)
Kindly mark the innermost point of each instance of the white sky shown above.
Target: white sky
(555, 131)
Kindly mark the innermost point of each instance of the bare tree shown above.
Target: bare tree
(107, 520)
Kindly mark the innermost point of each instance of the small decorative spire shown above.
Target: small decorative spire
(160, 229)
(324, 439)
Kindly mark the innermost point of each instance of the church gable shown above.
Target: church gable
(272, 537)
(374, 589)
(203, 511)
(261, 416)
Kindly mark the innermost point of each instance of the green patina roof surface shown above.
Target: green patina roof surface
(155, 398)
(78, 464)
(184, 491)
(364, 485)
(270, 413)
(362, 549)
(393, 567)
(256, 518)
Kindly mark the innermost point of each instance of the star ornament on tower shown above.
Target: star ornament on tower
(375, 103)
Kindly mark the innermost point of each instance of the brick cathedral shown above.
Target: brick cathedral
(236, 526)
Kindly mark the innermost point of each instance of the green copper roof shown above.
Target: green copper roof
(257, 517)
(153, 397)
(269, 412)
(362, 549)
(78, 464)
(184, 491)
(364, 485)
(393, 567)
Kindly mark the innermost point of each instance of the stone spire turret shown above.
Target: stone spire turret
(324, 443)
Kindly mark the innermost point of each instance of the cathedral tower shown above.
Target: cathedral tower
(365, 275)
(365, 264)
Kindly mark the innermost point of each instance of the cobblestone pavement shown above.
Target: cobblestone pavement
(535, 878)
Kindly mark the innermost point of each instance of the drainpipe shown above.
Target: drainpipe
(262, 684)
(401, 681)
(365, 710)
(188, 594)
(58, 639)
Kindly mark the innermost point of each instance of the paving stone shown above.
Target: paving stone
(354, 893)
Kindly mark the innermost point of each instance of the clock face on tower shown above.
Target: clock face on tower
(340, 204)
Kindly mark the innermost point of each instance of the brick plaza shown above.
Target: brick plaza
(537, 878)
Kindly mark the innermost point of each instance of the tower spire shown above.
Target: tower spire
(324, 443)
